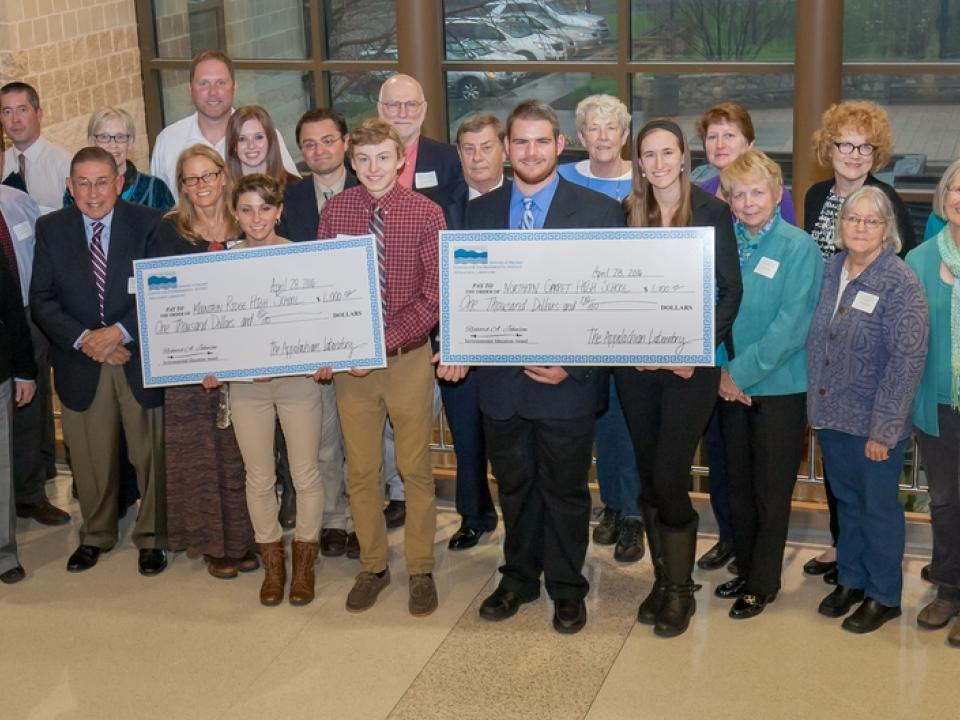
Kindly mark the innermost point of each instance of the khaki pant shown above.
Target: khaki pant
(93, 437)
(255, 408)
(404, 390)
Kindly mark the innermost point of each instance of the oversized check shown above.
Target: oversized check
(261, 312)
(638, 296)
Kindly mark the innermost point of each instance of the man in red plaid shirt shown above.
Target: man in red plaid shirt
(409, 225)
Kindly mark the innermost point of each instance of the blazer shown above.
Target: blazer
(817, 196)
(300, 218)
(506, 391)
(63, 296)
(16, 348)
(442, 159)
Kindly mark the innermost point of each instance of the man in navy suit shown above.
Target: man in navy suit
(539, 420)
(82, 300)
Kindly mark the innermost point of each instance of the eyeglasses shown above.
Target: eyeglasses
(119, 138)
(327, 141)
(869, 223)
(846, 148)
(85, 185)
(192, 180)
(411, 106)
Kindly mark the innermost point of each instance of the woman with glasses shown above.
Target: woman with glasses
(112, 129)
(252, 146)
(937, 409)
(853, 140)
(865, 357)
(206, 505)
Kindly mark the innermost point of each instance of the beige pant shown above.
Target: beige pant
(404, 390)
(255, 407)
(93, 437)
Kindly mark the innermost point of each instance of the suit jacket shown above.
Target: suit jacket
(63, 296)
(817, 196)
(506, 391)
(300, 218)
(442, 159)
(16, 348)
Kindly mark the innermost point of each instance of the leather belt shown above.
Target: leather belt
(410, 346)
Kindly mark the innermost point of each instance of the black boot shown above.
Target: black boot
(679, 552)
(288, 495)
(650, 607)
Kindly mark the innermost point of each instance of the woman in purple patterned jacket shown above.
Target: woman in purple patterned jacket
(865, 357)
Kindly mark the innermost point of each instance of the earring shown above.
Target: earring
(643, 174)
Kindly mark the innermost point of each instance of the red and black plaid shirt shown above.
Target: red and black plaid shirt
(412, 224)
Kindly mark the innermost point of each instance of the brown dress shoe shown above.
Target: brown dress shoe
(44, 513)
(366, 588)
(423, 595)
(223, 568)
(302, 584)
(248, 563)
(275, 572)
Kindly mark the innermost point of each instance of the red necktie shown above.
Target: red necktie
(9, 254)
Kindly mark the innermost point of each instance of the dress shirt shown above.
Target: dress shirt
(88, 223)
(542, 199)
(412, 224)
(48, 166)
(472, 192)
(20, 212)
(409, 170)
(320, 188)
(175, 138)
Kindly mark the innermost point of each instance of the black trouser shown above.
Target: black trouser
(541, 468)
(763, 444)
(941, 459)
(667, 416)
(34, 453)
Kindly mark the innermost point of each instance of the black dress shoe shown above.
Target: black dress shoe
(465, 538)
(832, 576)
(749, 605)
(870, 616)
(83, 558)
(733, 568)
(816, 567)
(716, 557)
(731, 589)
(153, 561)
(569, 615)
(395, 513)
(13, 575)
(925, 573)
(502, 604)
(333, 542)
(353, 546)
(44, 513)
(838, 603)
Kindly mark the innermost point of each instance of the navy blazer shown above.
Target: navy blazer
(63, 296)
(300, 218)
(506, 391)
(443, 160)
(16, 347)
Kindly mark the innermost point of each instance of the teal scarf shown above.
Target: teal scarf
(950, 254)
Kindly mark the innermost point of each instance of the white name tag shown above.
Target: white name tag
(132, 285)
(866, 302)
(767, 267)
(425, 180)
(23, 231)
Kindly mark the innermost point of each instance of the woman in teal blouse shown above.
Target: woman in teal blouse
(937, 407)
(763, 421)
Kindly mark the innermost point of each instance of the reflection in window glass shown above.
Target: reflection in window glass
(727, 30)
(541, 30)
(355, 94)
(361, 29)
(887, 30)
(241, 28)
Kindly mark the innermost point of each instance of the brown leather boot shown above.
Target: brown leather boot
(275, 572)
(302, 582)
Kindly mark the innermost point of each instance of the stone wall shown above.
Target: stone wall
(80, 55)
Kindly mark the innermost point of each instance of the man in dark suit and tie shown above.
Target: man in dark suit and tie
(82, 299)
(539, 420)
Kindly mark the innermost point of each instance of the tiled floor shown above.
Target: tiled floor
(111, 644)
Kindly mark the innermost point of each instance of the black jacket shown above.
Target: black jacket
(300, 218)
(16, 348)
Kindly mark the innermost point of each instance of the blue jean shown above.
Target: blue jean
(872, 531)
(617, 472)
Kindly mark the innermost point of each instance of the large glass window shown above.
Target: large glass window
(891, 30)
(361, 29)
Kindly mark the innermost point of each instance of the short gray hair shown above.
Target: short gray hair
(106, 114)
(882, 204)
(943, 187)
(602, 105)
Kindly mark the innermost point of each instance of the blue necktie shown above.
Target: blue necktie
(526, 221)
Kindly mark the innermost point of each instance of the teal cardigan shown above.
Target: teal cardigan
(770, 332)
(924, 260)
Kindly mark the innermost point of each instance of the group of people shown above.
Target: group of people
(823, 324)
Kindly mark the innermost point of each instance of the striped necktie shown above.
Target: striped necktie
(22, 168)
(98, 261)
(526, 221)
(376, 229)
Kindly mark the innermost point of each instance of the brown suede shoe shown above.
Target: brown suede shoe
(954, 636)
(275, 572)
(303, 582)
(423, 595)
(222, 568)
(249, 562)
(366, 588)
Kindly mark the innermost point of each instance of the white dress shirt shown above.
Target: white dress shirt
(48, 166)
(175, 138)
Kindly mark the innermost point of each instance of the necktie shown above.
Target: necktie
(98, 260)
(9, 254)
(526, 221)
(376, 229)
(22, 168)
(327, 194)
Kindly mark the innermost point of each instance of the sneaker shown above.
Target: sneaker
(366, 588)
(630, 544)
(607, 531)
(423, 595)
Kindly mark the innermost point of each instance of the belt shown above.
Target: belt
(410, 346)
